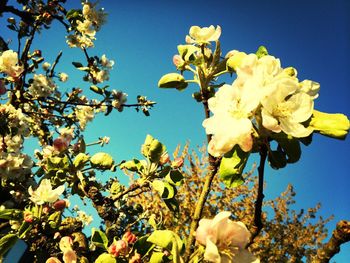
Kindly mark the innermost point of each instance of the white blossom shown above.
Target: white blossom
(9, 64)
(203, 35)
(44, 193)
(84, 218)
(42, 86)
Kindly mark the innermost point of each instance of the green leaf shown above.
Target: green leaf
(172, 80)
(55, 219)
(173, 206)
(80, 160)
(174, 177)
(187, 52)
(77, 64)
(105, 258)
(6, 242)
(277, 159)
(57, 163)
(102, 161)
(99, 239)
(168, 240)
(133, 165)
(24, 228)
(261, 52)
(231, 167)
(291, 147)
(157, 257)
(10, 214)
(142, 246)
(332, 125)
(96, 89)
(165, 190)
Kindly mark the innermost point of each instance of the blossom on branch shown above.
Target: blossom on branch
(9, 64)
(224, 240)
(44, 193)
(204, 35)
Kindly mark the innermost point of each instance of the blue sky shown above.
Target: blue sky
(142, 36)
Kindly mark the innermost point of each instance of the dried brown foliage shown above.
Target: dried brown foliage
(288, 235)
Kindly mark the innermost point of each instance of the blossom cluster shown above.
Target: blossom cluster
(86, 26)
(224, 240)
(264, 98)
(13, 128)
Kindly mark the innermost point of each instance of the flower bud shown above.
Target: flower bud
(60, 144)
(164, 158)
(235, 60)
(46, 66)
(37, 53)
(28, 216)
(60, 205)
(11, 20)
(129, 237)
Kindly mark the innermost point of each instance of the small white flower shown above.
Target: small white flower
(42, 86)
(105, 62)
(84, 218)
(44, 193)
(46, 66)
(63, 77)
(203, 35)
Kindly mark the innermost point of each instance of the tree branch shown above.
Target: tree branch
(340, 236)
(258, 225)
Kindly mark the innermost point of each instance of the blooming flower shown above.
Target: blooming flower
(42, 86)
(230, 124)
(203, 35)
(44, 193)
(63, 77)
(84, 114)
(223, 235)
(9, 64)
(69, 256)
(285, 110)
(84, 218)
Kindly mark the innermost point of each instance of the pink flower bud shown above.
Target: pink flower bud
(129, 237)
(37, 53)
(178, 61)
(46, 209)
(28, 217)
(60, 144)
(177, 163)
(164, 158)
(60, 205)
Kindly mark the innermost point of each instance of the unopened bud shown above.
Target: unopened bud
(129, 237)
(60, 205)
(11, 20)
(164, 158)
(28, 217)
